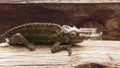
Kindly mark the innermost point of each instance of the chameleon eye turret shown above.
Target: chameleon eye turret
(73, 34)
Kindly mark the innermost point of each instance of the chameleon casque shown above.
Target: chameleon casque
(29, 34)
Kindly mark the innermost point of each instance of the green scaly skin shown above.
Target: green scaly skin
(41, 33)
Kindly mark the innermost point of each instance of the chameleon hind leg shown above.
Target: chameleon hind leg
(57, 47)
(20, 39)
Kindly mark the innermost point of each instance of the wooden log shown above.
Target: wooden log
(88, 54)
(59, 1)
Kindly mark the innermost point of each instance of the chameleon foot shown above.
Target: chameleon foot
(62, 47)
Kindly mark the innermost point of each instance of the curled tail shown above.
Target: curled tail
(3, 41)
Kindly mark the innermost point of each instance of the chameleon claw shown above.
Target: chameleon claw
(32, 49)
(69, 50)
(52, 51)
(69, 53)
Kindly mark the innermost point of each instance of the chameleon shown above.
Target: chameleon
(61, 37)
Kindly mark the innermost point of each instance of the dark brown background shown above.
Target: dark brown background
(103, 16)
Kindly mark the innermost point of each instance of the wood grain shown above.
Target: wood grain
(101, 52)
(59, 1)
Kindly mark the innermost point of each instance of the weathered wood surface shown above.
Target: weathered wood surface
(101, 52)
(59, 1)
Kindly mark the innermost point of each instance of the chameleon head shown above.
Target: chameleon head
(73, 33)
(68, 35)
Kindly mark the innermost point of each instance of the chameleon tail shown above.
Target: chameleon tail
(2, 39)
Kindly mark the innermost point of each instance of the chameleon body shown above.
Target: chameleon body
(42, 33)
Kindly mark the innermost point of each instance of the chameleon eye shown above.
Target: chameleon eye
(73, 34)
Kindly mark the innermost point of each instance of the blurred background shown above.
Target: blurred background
(104, 16)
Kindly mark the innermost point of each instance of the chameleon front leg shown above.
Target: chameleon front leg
(20, 39)
(57, 47)
(69, 49)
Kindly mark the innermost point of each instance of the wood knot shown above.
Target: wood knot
(92, 65)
